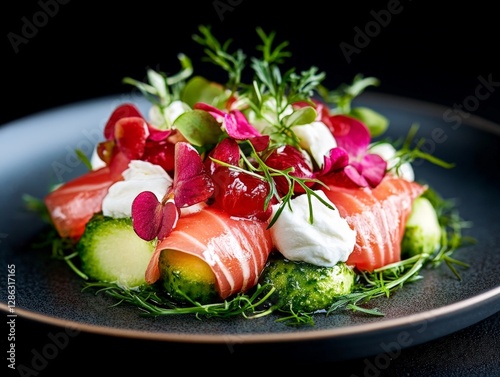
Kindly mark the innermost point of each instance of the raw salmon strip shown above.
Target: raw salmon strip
(235, 248)
(379, 217)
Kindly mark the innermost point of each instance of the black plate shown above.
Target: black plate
(38, 151)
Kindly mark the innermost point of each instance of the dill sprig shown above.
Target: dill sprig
(381, 282)
(452, 237)
(154, 303)
(408, 154)
(218, 54)
(162, 89)
(270, 86)
(341, 98)
(289, 317)
(261, 170)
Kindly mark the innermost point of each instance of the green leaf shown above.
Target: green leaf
(199, 89)
(304, 115)
(158, 82)
(83, 157)
(359, 85)
(181, 76)
(198, 127)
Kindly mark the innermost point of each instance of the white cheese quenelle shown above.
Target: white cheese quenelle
(324, 242)
(317, 139)
(140, 176)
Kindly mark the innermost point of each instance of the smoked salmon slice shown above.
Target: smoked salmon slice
(72, 204)
(235, 248)
(379, 217)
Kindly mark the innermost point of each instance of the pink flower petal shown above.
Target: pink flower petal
(354, 175)
(373, 169)
(188, 162)
(214, 111)
(336, 160)
(194, 190)
(156, 134)
(146, 215)
(170, 215)
(338, 124)
(192, 184)
(356, 136)
(238, 127)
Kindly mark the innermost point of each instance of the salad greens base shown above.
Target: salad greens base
(151, 300)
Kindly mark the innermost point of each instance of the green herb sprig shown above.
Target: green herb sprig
(153, 303)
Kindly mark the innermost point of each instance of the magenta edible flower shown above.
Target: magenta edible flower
(191, 185)
(350, 163)
(151, 218)
(237, 126)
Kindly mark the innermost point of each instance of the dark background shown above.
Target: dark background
(84, 49)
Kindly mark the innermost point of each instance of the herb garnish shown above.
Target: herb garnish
(272, 97)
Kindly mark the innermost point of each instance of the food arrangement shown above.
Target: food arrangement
(276, 196)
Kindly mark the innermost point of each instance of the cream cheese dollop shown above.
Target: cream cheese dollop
(138, 177)
(326, 241)
(317, 139)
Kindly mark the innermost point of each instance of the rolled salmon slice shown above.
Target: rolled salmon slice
(235, 248)
(379, 217)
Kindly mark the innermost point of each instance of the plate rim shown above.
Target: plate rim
(448, 311)
(453, 310)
